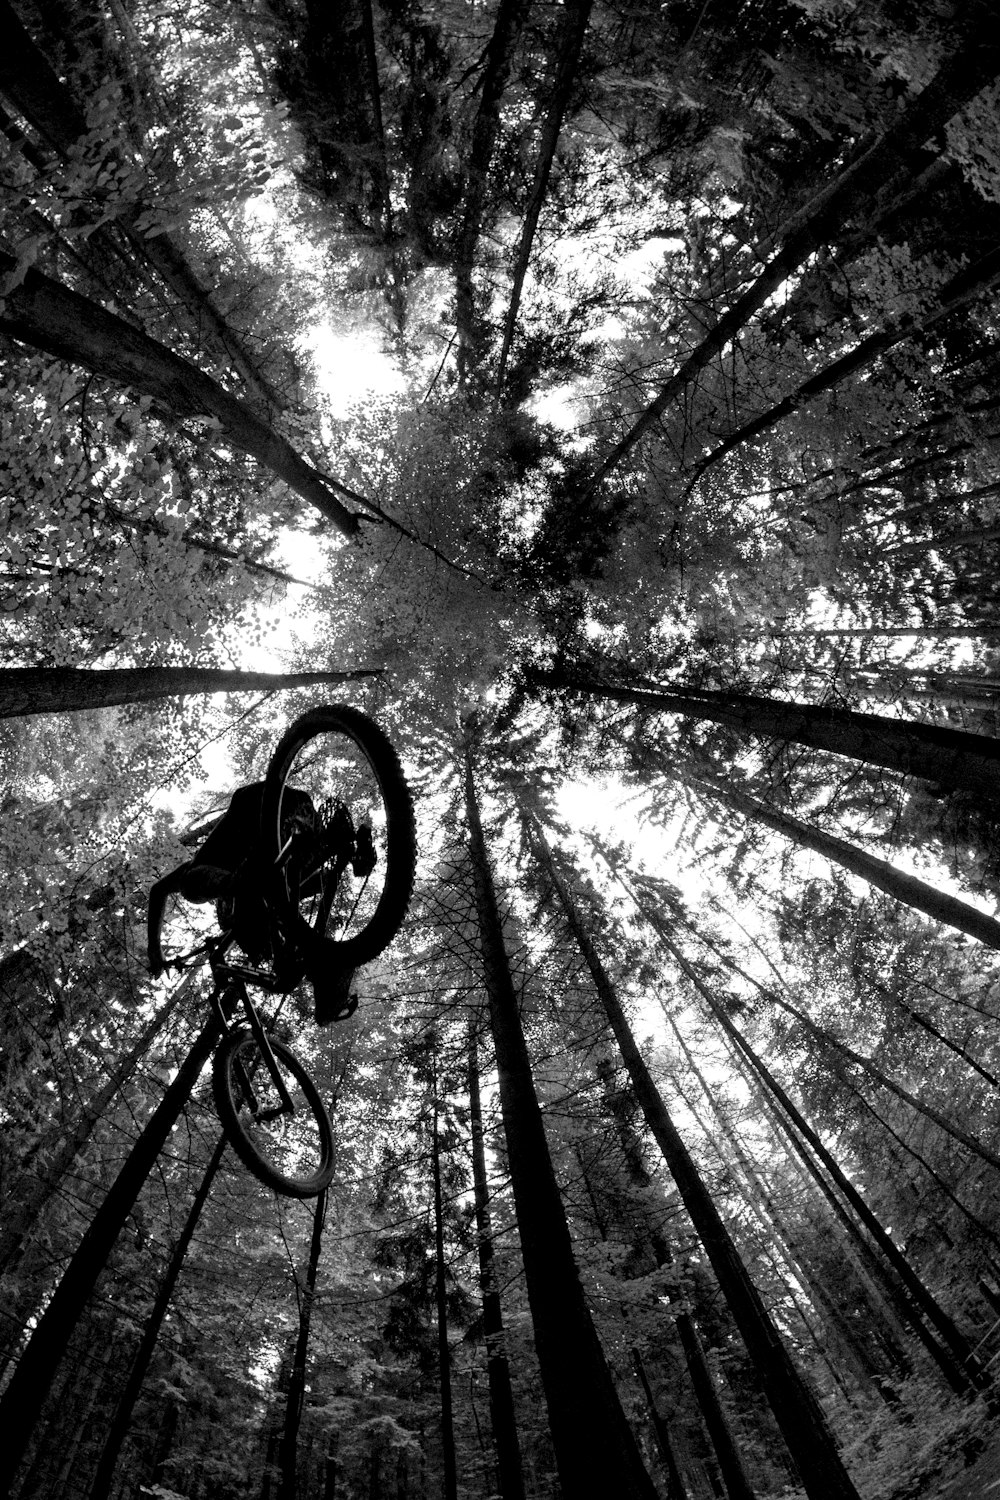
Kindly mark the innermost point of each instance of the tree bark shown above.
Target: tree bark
(676, 1488)
(734, 1474)
(22, 1402)
(761, 1200)
(950, 757)
(45, 314)
(504, 1421)
(595, 1449)
(36, 1187)
(921, 1295)
(510, 18)
(55, 690)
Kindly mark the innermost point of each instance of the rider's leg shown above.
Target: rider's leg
(201, 882)
(331, 981)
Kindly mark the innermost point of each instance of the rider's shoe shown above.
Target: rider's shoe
(332, 992)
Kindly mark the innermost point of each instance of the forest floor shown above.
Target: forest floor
(979, 1481)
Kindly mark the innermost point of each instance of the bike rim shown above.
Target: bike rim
(324, 867)
(290, 1145)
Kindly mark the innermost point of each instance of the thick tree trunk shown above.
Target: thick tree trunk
(510, 1478)
(45, 314)
(33, 87)
(104, 1474)
(731, 1466)
(60, 690)
(595, 1449)
(971, 68)
(950, 757)
(734, 1474)
(796, 1409)
(22, 1402)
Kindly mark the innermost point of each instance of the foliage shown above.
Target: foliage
(322, 209)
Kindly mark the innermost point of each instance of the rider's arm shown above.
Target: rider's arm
(194, 881)
(157, 901)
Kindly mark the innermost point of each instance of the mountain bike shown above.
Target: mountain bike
(336, 861)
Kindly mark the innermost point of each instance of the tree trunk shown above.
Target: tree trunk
(949, 757)
(104, 1474)
(150, 526)
(22, 1402)
(45, 314)
(796, 1409)
(295, 1398)
(595, 1449)
(904, 888)
(577, 14)
(676, 1488)
(962, 288)
(52, 690)
(330, 1468)
(733, 1470)
(450, 1476)
(760, 1198)
(969, 70)
(510, 16)
(33, 87)
(734, 1474)
(828, 1039)
(510, 1478)
(921, 1295)
(58, 1154)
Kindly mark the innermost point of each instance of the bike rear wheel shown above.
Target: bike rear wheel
(289, 1150)
(337, 820)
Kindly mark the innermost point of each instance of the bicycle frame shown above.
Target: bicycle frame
(228, 978)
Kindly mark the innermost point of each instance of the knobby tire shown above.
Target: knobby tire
(400, 837)
(227, 1090)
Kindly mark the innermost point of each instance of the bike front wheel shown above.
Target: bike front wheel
(273, 1115)
(337, 820)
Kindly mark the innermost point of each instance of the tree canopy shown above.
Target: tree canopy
(606, 398)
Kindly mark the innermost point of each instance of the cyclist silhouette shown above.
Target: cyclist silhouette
(229, 869)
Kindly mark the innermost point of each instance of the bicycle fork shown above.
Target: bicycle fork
(286, 1105)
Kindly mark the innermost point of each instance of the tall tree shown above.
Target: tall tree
(875, 163)
(796, 1409)
(48, 690)
(590, 1433)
